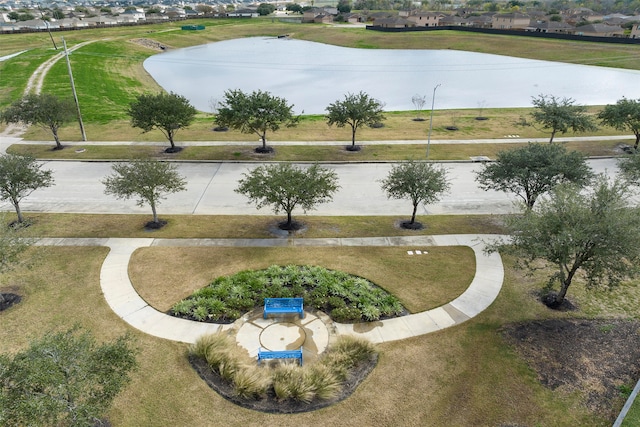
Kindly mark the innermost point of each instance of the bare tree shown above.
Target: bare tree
(418, 102)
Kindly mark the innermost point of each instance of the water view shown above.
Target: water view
(312, 75)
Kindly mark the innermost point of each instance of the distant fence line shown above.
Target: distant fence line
(598, 39)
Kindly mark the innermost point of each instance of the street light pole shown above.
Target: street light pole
(433, 101)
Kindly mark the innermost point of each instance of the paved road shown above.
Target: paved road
(210, 188)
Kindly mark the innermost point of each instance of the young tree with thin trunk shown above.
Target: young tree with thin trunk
(533, 170)
(561, 115)
(573, 230)
(19, 177)
(355, 110)
(150, 181)
(166, 112)
(623, 115)
(12, 245)
(285, 187)
(418, 102)
(44, 110)
(419, 182)
(257, 112)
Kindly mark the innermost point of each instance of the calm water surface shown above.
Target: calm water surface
(313, 75)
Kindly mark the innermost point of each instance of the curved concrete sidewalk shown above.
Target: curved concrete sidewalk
(126, 303)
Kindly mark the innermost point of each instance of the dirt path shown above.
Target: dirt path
(34, 85)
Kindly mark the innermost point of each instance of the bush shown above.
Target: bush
(346, 298)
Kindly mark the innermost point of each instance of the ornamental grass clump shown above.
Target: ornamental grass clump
(322, 380)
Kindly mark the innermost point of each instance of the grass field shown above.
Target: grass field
(463, 376)
(109, 73)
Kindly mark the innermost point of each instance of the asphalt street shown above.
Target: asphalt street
(210, 191)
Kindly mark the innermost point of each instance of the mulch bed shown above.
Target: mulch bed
(9, 299)
(270, 403)
(593, 357)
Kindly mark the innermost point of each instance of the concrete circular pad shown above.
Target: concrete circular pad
(282, 336)
(312, 333)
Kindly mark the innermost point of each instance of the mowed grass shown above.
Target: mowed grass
(421, 282)
(461, 376)
(243, 227)
(379, 151)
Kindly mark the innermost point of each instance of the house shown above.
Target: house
(510, 21)
(480, 21)
(453, 21)
(355, 18)
(101, 20)
(599, 30)
(319, 14)
(395, 22)
(635, 33)
(551, 27)
(425, 19)
(243, 13)
(132, 16)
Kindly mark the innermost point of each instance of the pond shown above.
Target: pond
(313, 75)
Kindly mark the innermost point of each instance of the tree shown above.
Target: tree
(59, 14)
(265, 9)
(148, 180)
(419, 182)
(205, 8)
(561, 115)
(12, 245)
(623, 115)
(285, 187)
(44, 110)
(167, 112)
(344, 6)
(594, 232)
(19, 177)
(294, 7)
(533, 170)
(629, 167)
(256, 112)
(418, 102)
(355, 110)
(64, 379)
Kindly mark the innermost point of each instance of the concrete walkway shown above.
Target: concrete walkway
(126, 303)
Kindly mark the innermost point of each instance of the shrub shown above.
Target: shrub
(345, 314)
(346, 298)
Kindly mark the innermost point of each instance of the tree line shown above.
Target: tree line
(260, 112)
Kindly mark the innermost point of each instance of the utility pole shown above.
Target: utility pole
(73, 89)
(433, 101)
(46, 23)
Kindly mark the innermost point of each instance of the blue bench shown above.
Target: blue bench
(283, 306)
(281, 354)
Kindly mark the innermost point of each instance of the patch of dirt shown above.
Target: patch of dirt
(9, 300)
(593, 357)
(150, 44)
(270, 403)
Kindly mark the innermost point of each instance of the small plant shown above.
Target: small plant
(625, 390)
